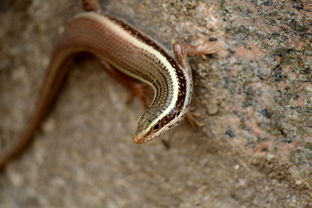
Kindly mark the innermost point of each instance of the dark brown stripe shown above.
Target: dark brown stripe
(180, 75)
(134, 32)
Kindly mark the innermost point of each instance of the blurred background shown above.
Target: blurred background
(254, 97)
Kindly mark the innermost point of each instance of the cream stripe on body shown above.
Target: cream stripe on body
(128, 50)
(138, 43)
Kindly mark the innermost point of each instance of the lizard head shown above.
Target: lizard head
(153, 124)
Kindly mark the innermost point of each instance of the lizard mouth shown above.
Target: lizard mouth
(138, 140)
(141, 138)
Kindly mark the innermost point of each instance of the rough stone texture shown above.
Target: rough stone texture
(254, 97)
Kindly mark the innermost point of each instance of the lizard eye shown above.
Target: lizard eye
(156, 127)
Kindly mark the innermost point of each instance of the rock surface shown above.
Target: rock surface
(254, 97)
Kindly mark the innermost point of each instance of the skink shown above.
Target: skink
(123, 48)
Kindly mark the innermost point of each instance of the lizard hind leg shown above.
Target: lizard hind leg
(137, 89)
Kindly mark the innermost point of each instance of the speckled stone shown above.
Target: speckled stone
(254, 97)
